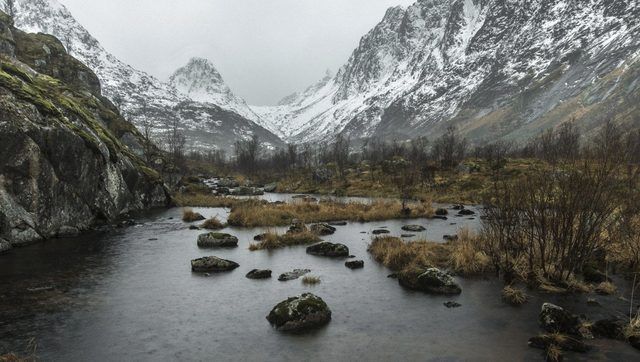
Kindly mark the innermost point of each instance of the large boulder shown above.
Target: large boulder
(555, 319)
(259, 274)
(326, 248)
(212, 263)
(322, 229)
(306, 310)
(431, 280)
(295, 274)
(217, 240)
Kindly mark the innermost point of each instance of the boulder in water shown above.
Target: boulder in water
(306, 310)
(216, 240)
(212, 263)
(326, 248)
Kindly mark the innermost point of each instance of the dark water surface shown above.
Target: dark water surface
(119, 296)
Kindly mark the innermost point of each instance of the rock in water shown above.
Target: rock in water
(217, 240)
(259, 274)
(212, 263)
(295, 274)
(380, 231)
(270, 187)
(322, 229)
(431, 280)
(306, 310)
(452, 305)
(5, 246)
(414, 228)
(354, 264)
(326, 248)
(68, 232)
(555, 319)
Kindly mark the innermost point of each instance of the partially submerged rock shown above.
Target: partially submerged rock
(431, 280)
(270, 187)
(326, 248)
(610, 328)
(555, 319)
(466, 212)
(5, 246)
(322, 229)
(452, 305)
(380, 231)
(414, 228)
(303, 311)
(338, 223)
(217, 240)
(68, 232)
(212, 263)
(295, 274)
(259, 274)
(355, 264)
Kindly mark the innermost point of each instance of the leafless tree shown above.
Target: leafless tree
(340, 153)
(450, 148)
(247, 154)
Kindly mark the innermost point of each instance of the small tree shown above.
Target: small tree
(247, 154)
(340, 153)
(450, 148)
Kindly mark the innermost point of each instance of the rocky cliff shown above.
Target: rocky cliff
(62, 164)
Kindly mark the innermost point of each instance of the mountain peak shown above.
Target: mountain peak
(200, 80)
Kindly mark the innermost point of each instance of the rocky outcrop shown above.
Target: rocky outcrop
(5, 246)
(61, 166)
(210, 240)
(259, 274)
(303, 311)
(326, 248)
(295, 274)
(212, 263)
(431, 280)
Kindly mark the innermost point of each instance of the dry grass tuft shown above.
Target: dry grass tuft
(395, 254)
(272, 240)
(308, 280)
(11, 358)
(466, 255)
(514, 296)
(252, 214)
(213, 224)
(606, 288)
(189, 215)
(554, 354)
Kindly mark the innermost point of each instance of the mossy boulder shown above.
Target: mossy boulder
(295, 274)
(322, 229)
(555, 319)
(212, 263)
(326, 248)
(217, 240)
(304, 311)
(431, 280)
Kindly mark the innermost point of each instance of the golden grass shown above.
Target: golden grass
(204, 200)
(632, 330)
(11, 358)
(272, 240)
(189, 215)
(553, 354)
(309, 280)
(514, 296)
(253, 214)
(606, 288)
(212, 224)
(396, 254)
(467, 258)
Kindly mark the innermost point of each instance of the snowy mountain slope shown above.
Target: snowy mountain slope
(219, 119)
(496, 68)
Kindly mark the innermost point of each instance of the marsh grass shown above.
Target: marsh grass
(554, 354)
(514, 296)
(396, 254)
(254, 214)
(30, 350)
(467, 256)
(204, 200)
(189, 215)
(606, 288)
(273, 240)
(10, 357)
(212, 224)
(309, 280)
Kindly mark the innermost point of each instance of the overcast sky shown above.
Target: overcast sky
(264, 49)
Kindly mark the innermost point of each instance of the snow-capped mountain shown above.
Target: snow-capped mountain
(207, 111)
(495, 68)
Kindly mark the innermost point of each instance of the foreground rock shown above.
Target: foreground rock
(326, 248)
(414, 228)
(295, 274)
(303, 311)
(212, 263)
(431, 280)
(322, 229)
(555, 319)
(259, 274)
(210, 240)
(5, 246)
(356, 264)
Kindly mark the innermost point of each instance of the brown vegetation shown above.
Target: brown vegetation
(212, 224)
(514, 296)
(189, 215)
(309, 280)
(272, 240)
(396, 254)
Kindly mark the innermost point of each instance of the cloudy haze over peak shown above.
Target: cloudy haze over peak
(264, 50)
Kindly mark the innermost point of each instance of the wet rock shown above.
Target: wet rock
(555, 319)
(217, 240)
(196, 217)
(68, 232)
(351, 256)
(355, 264)
(295, 274)
(5, 246)
(270, 187)
(610, 328)
(450, 237)
(259, 274)
(260, 237)
(431, 280)
(466, 212)
(338, 223)
(439, 217)
(442, 212)
(414, 228)
(407, 235)
(212, 263)
(153, 239)
(193, 227)
(125, 223)
(322, 229)
(296, 227)
(452, 305)
(458, 207)
(380, 231)
(326, 248)
(585, 333)
(306, 310)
